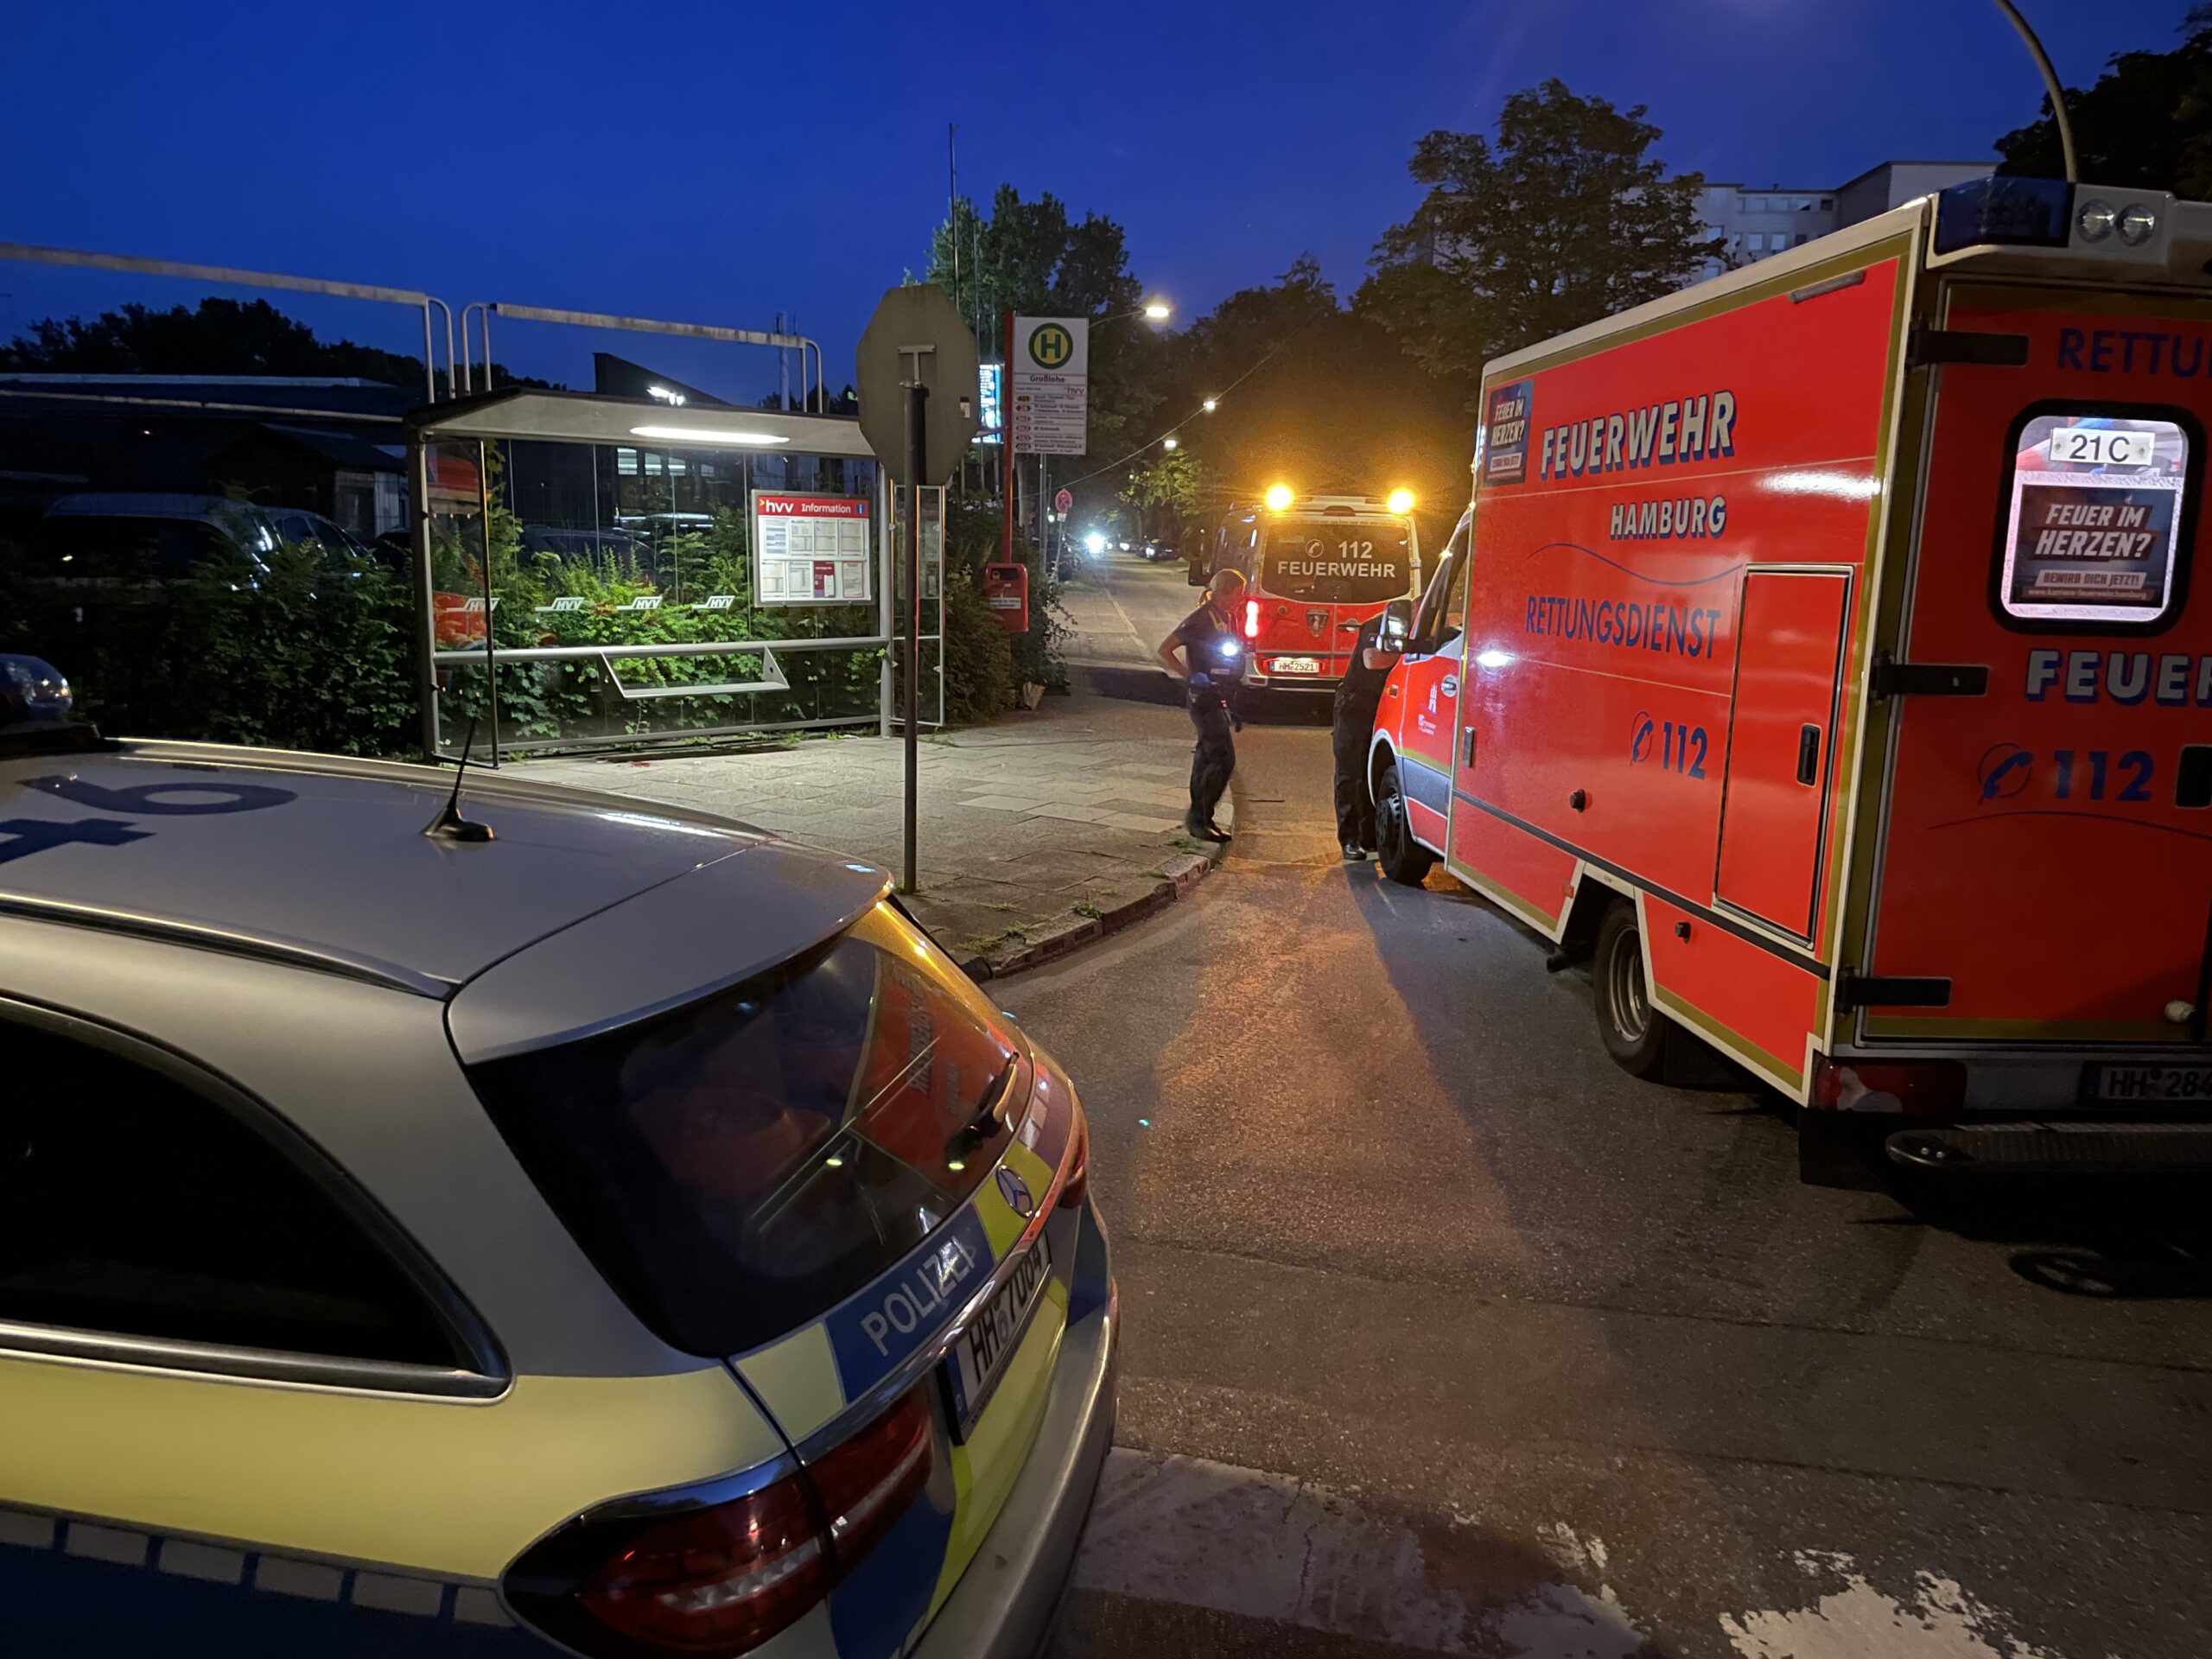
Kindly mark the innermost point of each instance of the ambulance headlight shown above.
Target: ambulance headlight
(2136, 224)
(2095, 221)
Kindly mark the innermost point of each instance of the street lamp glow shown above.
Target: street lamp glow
(1095, 542)
(1277, 498)
(1402, 501)
(1209, 405)
(1157, 310)
(1169, 444)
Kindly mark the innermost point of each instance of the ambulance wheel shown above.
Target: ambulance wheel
(1635, 1031)
(1401, 858)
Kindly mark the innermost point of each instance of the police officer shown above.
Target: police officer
(1212, 662)
(1358, 694)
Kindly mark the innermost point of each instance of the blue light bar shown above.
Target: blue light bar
(2005, 211)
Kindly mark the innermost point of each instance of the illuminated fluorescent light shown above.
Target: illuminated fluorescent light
(707, 435)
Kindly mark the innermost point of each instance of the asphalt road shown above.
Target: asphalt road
(1444, 1335)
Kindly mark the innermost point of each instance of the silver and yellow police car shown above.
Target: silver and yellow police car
(512, 1221)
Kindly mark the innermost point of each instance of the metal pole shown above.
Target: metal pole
(1006, 443)
(917, 460)
(886, 567)
(1045, 524)
(2050, 86)
(426, 677)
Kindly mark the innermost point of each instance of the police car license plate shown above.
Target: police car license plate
(981, 1355)
(1298, 665)
(2147, 1084)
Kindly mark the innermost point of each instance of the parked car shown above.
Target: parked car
(459, 1219)
(298, 525)
(124, 536)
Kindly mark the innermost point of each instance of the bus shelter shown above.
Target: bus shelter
(597, 571)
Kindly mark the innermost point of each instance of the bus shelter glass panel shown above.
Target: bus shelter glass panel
(631, 596)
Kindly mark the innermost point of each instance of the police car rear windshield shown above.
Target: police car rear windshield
(1337, 560)
(738, 1166)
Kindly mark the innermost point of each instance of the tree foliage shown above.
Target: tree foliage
(1033, 258)
(1311, 395)
(217, 337)
(1565, 218)
(2147, 125)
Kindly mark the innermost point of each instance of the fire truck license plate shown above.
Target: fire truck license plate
(1297, 665)
(2179, 1084)
(989, 1341)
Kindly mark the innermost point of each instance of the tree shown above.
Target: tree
(1566, 217)
(219, 337)
(2147, 125)
(1031, 258)
(1167, 494)
(1310, 395)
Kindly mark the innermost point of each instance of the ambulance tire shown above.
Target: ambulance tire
(1635, 1031)
(1397, 855)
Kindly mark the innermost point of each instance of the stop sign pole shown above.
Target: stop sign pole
(916, 343)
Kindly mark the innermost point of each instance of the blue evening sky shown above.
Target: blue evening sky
(720, 162)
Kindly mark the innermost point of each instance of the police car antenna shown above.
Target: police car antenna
(449, 826)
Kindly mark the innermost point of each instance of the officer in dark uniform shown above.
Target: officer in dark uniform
(1212, 664)
(1358, 694)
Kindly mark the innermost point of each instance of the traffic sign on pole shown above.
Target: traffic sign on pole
(916, 344)
(918, 336)
(1051, 380)
(1064, 502)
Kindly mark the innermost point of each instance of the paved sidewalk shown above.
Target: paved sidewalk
(1037, 833)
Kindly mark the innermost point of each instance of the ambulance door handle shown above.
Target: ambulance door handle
(1809, 754)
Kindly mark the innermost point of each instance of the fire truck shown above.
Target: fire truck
(1825, 668)
(1315, 569)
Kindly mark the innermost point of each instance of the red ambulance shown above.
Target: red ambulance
(1315, 569)
(1827, 667)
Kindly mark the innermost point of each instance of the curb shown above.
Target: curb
(1184, 871)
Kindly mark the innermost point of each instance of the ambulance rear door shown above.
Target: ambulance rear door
(2044, 871)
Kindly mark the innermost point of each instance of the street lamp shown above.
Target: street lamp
(1169, 444)
(1209, 405)
(1157, 310)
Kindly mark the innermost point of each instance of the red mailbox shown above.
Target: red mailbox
(1006, 591)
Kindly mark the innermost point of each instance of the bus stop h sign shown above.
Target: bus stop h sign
(918, 332)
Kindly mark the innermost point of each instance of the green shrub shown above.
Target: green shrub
(315, 652)
(978, 663)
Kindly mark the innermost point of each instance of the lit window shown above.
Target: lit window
(626, 462)
(676, 466)
(653, 464)
(2095, 504)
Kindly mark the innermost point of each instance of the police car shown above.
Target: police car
(509, 1220)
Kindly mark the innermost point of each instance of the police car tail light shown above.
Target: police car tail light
(722, 1579)
(719, 1580)
(866, 1484)
(1251, 619)
(1926, 1086)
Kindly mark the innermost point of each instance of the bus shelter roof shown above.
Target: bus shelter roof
(527, 412)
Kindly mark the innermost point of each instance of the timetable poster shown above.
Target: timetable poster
(812, 549)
